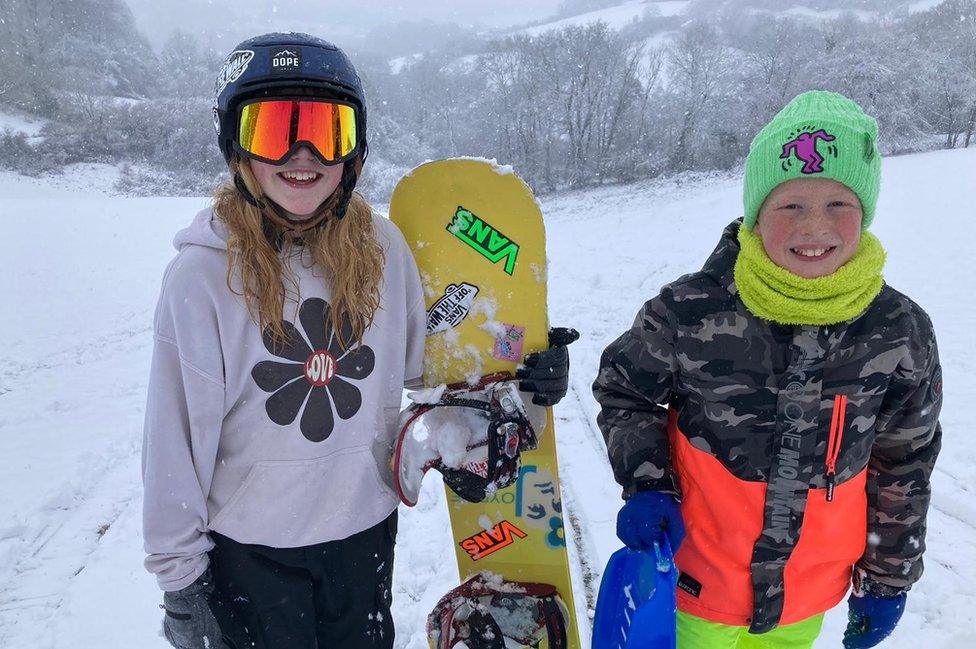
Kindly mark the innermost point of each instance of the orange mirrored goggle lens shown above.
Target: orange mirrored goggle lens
(269, 129)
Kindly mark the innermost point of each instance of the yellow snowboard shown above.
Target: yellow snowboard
(478, 237)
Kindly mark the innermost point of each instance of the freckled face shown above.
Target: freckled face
(810, 226)
(299, 185)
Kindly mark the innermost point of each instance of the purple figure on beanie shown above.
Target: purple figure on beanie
(805, 146)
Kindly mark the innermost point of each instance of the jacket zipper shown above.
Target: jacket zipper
(834, 440)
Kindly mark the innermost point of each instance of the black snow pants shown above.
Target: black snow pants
(329, 595)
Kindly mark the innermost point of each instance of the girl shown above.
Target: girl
(790, 400)
(286, 329)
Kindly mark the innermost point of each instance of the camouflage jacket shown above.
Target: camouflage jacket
(798, 452)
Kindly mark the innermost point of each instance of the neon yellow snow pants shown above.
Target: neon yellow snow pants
(696, 633)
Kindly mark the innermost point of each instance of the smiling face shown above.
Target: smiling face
(810, 226)
(300, 185)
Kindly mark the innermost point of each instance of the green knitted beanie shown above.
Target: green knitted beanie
(817, 135)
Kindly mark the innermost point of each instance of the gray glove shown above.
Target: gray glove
(189, 622)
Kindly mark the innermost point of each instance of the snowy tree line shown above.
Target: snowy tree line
(585, 105)
(568, 108)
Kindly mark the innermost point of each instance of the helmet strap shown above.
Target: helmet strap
(350, 174)
(276, 224)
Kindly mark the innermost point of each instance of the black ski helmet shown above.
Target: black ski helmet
(288, 65)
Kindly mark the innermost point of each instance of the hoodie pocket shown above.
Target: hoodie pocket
(291, 503)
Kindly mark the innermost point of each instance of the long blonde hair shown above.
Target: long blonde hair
(345, 249)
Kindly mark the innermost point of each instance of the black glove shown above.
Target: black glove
(546, 374)
(189, 622)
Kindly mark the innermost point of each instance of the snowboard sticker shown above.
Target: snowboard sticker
(478, 237)
(451, 308)
(508, 345)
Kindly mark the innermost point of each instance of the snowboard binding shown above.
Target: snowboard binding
(473, 435)
(487, 612)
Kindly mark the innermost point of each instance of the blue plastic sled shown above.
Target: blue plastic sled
(636, 605)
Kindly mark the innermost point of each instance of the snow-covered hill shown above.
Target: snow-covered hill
(625, 13)
(81, 271)
(20, 123)
(616, 16)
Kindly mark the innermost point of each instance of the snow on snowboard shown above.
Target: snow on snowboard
(477, 234)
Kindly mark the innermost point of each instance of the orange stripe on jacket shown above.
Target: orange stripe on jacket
(723, 518)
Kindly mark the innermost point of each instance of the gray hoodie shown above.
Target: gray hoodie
(283, 446)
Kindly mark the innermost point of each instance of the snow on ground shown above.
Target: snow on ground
(923, 5)
(20, 123)
(399, 63)
(83, 180)
(668, 7)
(823, 15)
(616, 17)
(81, 271)
(828, 14)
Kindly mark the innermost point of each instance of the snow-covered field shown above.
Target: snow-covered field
(80, 274)
(20, 123)
(615, 17)
(624, 13)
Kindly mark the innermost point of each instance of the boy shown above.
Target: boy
(788, 397)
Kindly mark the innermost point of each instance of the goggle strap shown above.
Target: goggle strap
(276, 214)
(350, 174)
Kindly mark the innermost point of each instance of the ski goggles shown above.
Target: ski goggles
(271, 130)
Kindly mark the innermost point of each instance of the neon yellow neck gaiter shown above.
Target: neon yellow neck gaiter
(774, 293)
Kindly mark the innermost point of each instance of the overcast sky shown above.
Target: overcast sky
(229, 21)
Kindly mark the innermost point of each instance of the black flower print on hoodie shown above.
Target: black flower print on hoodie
(317, 376)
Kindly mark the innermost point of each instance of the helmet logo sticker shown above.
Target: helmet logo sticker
(805, 147)
(286, 60)
(234, 67)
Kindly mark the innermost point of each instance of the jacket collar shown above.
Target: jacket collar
(720, 265)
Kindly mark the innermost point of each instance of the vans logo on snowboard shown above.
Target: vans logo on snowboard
(288, 60)
(484, 238)
(451, 308)
(480, 545)
(233, 68)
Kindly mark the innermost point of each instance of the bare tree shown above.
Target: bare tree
(700, 66)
